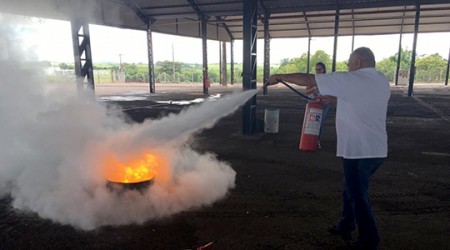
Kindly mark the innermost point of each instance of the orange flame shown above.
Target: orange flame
(133, 171)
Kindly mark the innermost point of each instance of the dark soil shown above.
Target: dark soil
(284, 199)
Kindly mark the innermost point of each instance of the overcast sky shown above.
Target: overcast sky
(51, 40)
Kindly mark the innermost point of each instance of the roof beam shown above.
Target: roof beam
(349, 27)
(403, 21)
(197, 9)
(346, 20)
(307, 24)
(135, 8)
(238, 11)
(349, 5)
(224, 25)
(360, 13)
(353, 24)
(188, 5)
(266, 14)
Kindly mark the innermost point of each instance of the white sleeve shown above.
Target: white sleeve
(334, 84)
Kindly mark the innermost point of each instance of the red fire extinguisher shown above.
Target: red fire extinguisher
(311, 122)
(311, 127)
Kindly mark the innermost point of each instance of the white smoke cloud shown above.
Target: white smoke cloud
(53, 145)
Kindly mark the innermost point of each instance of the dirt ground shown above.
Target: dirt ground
(283, 199)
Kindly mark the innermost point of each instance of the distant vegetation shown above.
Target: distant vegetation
(430, 68)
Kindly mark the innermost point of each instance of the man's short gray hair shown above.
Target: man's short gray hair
(366, 55)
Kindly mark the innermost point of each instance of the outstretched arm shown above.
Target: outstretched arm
(300, 79)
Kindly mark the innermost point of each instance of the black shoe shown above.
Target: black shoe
(347, 237)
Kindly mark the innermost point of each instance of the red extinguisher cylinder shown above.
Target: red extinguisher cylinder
(311, 127)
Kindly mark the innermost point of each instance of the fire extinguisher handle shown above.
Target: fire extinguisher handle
(322, 99)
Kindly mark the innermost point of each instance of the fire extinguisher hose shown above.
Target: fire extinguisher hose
(296, 91)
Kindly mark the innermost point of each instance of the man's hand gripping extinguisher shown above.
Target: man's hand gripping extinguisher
(312, 122)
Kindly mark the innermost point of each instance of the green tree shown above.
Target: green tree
(168, 67)
(213, 74)
(289, 66)
(341, 67)
(405, 59)
(300, 64)
(237, 73)
(284, 62)
(388, 68)
(63, 66)
(136, 72)
(430, 68)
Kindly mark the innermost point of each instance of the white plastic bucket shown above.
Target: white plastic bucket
(271, 117)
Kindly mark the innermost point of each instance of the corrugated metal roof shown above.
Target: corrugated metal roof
(288, 18)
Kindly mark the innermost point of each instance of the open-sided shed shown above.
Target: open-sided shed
(239, 19)
(288, 18)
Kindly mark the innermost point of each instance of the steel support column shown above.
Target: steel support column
(353, 42)
(266, 51)
(250, 29)
(206, 80)
(223, 70)
(203, 19)
(220, 55)
(232, 61)
(412, 71)
(151, 67)
(400, 47)
(398, 59)
(231, 49)
(336, 33)
(82, 55)
(448, 68)
(308, 62)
